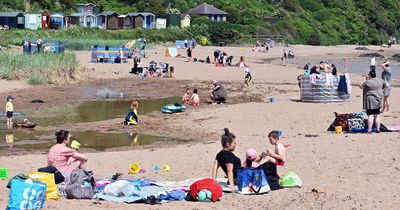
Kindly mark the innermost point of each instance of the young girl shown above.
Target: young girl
(186, 98)
(132, 117)
(195, 99)
(251, 156)
(277, 156)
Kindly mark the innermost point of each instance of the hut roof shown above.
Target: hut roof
(206, 9)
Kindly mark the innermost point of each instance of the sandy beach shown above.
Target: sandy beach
(355, 171)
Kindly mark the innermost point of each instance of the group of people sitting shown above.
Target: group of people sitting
(323, 67)
(230, 163)
(163, 70)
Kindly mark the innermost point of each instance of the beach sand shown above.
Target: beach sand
(355, 171)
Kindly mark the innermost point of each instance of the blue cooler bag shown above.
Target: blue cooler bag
(26, 194)
(252, 181)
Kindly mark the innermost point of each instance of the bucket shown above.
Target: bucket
(75, 144)
(3, 173)
(134, 168)
(166, 168)
(339, 129)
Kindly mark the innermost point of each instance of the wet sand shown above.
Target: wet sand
(356, 171)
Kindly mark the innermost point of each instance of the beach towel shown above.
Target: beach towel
(145, 192)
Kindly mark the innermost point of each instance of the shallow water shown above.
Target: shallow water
(29, 139)
(94, 111)
(81, 113)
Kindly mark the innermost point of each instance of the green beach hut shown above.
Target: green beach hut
(33, 21)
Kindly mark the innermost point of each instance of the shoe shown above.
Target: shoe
(152, 200)
(116, 176)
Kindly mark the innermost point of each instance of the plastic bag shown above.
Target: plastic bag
(121, 188)
(48, 179)
(26, 194)
(290, 179)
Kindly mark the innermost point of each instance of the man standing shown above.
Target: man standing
(39, 44)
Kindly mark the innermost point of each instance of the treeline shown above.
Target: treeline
(317, 22)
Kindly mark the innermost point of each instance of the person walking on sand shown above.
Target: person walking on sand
(284, 58)
(30, 46)
(189, 54)
(372, 65)
(9, 111)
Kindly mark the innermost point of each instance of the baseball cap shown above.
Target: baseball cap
(10, 97)
(252, 153)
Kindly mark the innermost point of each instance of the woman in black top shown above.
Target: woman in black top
(227, 160)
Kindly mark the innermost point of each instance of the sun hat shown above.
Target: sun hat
(134, 168)
(251, 153)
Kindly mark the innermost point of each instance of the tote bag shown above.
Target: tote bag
(26, 194)
(252, 181)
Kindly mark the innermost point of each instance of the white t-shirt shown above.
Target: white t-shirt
(373, 62)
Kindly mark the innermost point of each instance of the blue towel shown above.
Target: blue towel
(144, 193)
(342, 86)
(176, 195)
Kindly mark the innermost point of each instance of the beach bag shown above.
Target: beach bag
(48, 179)
(271, 173)
(26, 194)
(356, 123)
(290, 179)
(252, 181)
(58, 177)
(206, 184)
(81, 185)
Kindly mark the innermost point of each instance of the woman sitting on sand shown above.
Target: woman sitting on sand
(228, 161)
(64, 158)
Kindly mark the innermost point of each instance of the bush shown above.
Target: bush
(41, 68)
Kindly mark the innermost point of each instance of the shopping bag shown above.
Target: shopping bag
(252, 181)
(290, 179)
(48, 179)
(356, 123)
(26, 194)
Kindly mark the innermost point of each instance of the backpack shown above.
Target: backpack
(81, 185)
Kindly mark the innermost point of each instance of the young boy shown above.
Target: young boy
(247, 77)
(9, 110)
(277, 156)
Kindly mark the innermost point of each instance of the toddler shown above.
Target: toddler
(195, 99)
(251, 156)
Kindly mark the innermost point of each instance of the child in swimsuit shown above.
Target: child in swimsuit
(195, 99)
(186, 97)
(277, 156)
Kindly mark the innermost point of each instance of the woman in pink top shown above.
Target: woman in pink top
(62, 157)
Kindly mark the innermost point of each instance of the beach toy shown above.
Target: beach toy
(339, 129)
(290, 179)
(75, 144)
(142, 170)
(3, 173)
(134, 168)
(272, 99)
(204, 195)
(280, 133)
(156, 168)
(166, 168)
(173, 108)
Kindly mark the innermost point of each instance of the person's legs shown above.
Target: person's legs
(370, 122)
(385, 104)
(378, 122)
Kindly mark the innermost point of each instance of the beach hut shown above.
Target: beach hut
(87, 20)
(45, 20)
(185, 20)
(33, 21)
(161, 23)
(56, 20)
(108, 20)
(124, 21)
(148, 19)
(209, 11)
(12, 19)
(173, 20)
(137, 20)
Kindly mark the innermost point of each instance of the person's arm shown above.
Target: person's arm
(279, 156)
(80, 156)
(215, 170)
(216, 88)
(229, 167)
